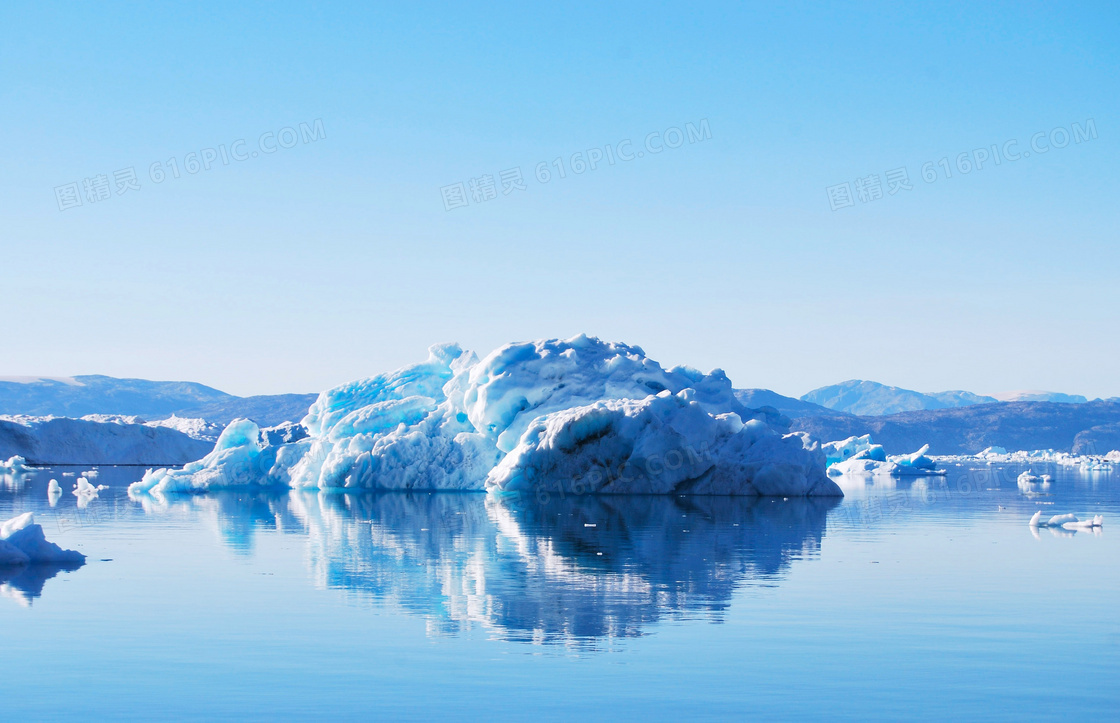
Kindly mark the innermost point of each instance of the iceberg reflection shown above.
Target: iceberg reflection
(24, 583)
(570, 571)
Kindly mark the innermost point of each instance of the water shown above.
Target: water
(926, 598)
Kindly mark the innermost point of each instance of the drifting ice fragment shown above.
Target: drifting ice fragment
(1068, 521)
(54, 492)
(872, 460)
(84, 488)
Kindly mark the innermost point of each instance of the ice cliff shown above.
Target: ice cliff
(578, 415)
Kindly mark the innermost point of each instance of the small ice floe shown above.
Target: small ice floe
(86, 492)
(22, 542)
(54, 492)
(13, 472)
(15, 465)
(85, 488)
(1095, 464)
(1067, 521)
(1030, 482)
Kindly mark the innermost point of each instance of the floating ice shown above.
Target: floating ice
(13, 471)
(576, 411)
(22, 542)
(14, 466)
(1067, 521)
(1030, 482)
(54, 492)
(84, 488)
(873, 460)
(846, 448)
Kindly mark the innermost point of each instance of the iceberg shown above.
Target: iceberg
(13, 471)
(1028, 481)
(54, 492)
(845, 449)
(587, 415)
(22, 542)
(15, 465)
(85, 488)
(873, 460)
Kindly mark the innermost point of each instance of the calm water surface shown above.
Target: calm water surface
(927, 598)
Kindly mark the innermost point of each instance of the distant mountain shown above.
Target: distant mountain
(962, 399)
(1034, 396)
(792, 408)
(1089, 428)
(871, 398)
(96, 394)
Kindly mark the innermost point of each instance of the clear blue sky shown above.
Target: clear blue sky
(335, 258)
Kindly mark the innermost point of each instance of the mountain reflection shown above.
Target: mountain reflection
(571, 571)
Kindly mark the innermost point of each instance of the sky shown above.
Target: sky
(270, 194)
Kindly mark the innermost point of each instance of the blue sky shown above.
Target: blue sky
(336, 258)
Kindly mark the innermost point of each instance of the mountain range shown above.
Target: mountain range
(96, 394)
(866, 398)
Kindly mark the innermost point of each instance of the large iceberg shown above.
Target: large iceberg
(576, 415)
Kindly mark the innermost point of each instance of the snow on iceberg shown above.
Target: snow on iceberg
(22, 542)
(578, 412)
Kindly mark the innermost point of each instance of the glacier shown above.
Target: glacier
(98, 440)
(576, 415)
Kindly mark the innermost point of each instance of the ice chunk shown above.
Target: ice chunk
(847, 448)
(15, 465)
(526, 410)
(54, 492)
(23, 542)
(662, 444)
(84, 488)
(873, 461)
(1067, 521)
(1076, 524)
